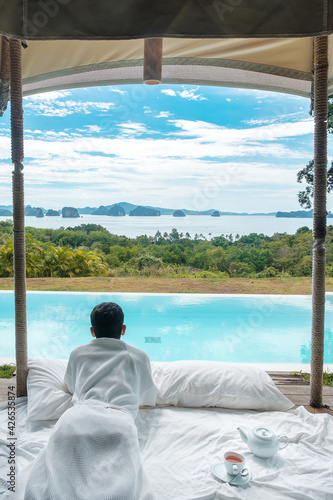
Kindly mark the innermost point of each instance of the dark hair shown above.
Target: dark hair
(107, 320)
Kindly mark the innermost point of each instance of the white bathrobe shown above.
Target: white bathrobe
(93, 451)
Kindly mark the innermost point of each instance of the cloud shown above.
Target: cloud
(168, 92)
(163, 114)
(228, 99)
(189, 94)
(115, 89)
(133, 128)
(49, 104)
(93, 128)
(257, 122)
(53, 95)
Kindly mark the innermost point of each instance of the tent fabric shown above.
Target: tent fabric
(112, 19)
(279, 64)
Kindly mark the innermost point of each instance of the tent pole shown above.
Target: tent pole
(152, 61)
(16, 117)
(319, 219)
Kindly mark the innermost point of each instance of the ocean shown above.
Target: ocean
(193, 224)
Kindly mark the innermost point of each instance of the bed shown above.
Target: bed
(199, 408)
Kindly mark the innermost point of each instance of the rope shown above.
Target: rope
(18, 218)
(4, 75)
(319, 219)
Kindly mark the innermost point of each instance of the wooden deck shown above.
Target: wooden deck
(298, 391)
(290, 385)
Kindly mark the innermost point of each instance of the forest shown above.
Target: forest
(91, 250)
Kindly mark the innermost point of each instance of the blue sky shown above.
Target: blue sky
(172, 146)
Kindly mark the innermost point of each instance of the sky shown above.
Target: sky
(172, 146)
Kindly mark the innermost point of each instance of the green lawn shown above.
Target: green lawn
(297, 286)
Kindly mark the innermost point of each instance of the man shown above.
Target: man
(93, 451)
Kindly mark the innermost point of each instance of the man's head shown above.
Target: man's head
(107, 321)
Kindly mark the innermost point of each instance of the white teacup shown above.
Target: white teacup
(234, 462)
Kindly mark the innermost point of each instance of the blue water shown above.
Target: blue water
(246, 328)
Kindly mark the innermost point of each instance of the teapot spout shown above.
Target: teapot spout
(243, 435)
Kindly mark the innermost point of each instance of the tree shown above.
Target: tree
(304, 197)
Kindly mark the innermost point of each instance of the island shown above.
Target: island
(70, 212)
(102, 210)
(116, 211)
(216, 213)
(144, 212)
(4, 212)
(33, 211)
(303, 214)
(39, 213)
(52, 213)
(178, 213)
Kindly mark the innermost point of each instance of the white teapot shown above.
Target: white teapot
(263, 442)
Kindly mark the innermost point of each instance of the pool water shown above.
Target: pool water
(235, 328)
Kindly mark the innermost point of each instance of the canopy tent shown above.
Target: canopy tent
(275, 45)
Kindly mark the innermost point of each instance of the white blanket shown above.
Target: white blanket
(179, 445)
(93, 452)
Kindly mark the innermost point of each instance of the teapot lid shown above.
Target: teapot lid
(263, 433)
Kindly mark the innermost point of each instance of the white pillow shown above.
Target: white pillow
(213, 383)
(48, 396)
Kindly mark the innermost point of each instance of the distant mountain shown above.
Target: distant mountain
(4, 212)
(128, 207)
(302, 214)
(116, 211)
(144, 211)
(86, 210)
(100, 211)
(179, 213)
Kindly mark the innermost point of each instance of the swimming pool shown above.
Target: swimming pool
(260, 329)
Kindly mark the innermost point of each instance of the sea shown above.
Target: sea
(204, 225)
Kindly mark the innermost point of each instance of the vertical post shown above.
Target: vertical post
(4, 74)
(319, 219)
(152, 61)
(16, 117)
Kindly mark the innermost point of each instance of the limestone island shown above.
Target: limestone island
(144, 211)
(102, 210)
(179, 213)
(116, 211)
(39, 213)
(33, 211)
(70, 212)
(52, 213)
(216, 213)
(4, 212)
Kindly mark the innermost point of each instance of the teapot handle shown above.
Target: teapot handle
(281, 444)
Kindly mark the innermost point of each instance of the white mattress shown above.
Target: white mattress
(179, 445)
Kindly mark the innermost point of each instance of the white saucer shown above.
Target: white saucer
(220, 472)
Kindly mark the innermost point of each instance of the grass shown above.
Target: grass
(6, 371)
(327, 377)
(296, 286)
